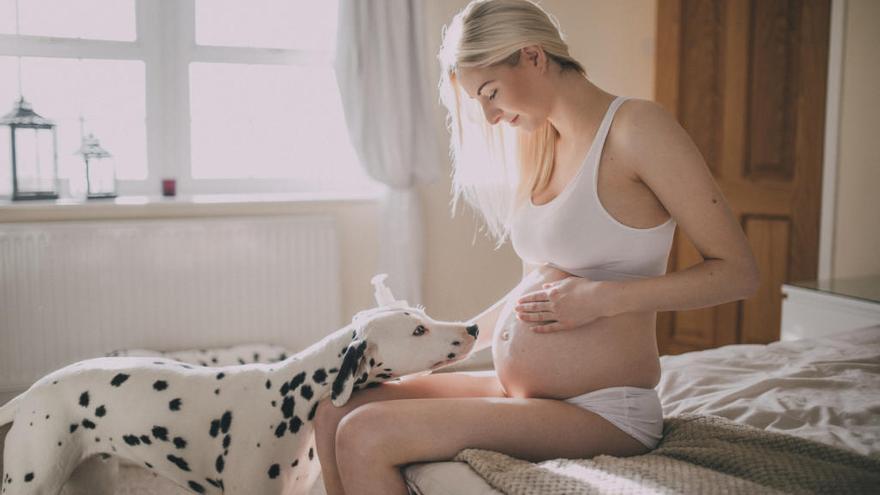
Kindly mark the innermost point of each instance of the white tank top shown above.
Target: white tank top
(575, 233)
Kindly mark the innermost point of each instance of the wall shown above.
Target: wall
(857, 227)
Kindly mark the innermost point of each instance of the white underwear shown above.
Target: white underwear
(636, 411)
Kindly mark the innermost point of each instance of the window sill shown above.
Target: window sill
(177, 206)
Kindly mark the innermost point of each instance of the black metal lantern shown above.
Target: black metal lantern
(32, 153)
(100, 169)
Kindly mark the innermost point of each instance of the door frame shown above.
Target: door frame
(833, 98)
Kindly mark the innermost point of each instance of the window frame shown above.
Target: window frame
(165, 43)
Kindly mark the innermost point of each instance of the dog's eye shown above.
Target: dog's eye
(420, 330)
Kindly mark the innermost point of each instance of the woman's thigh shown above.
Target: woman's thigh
(435, 429)
(440, 385)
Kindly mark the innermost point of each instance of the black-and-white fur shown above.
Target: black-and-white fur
(243, 429)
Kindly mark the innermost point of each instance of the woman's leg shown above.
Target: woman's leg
(375, 440)
(441, 385)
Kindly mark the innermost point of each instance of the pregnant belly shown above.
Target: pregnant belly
(608, 352)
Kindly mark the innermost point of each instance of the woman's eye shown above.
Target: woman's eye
(492, 96)
(420, 330)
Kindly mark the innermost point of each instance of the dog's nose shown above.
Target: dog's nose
(473, 331)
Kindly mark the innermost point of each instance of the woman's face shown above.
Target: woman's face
(512, 94)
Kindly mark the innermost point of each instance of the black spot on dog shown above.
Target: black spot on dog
(59, 444)
(160, 385)
(213, 482)
(146, 440)
(179, 462)
(214, 360)
(215, 427)
(268, 384)
(283, 356)
(450, 355)
(311, 453)
(84, 399)
(186, 366)
(284, 389)
(273, 403)
(131, 440)
(319, 376)
(226, 421)
(312, 411)
(99, 412)
(30, 477)
(226, 441)
(297, 380)
(281, 429)
(161, 433)
(202, 363)
(294, 463)
(179, 442)
(274, 471)
(119, 379)
(73, 427)
(196, 487)
(306, 392)
(175, 404)
(383, 375)
(97, 439)
(287, 407)
(295, 424)
(105, 456)
(240, 361)
(333, 370)
(256, 357)
(219, 464)
(88, 424)
(47, 416)
(158, 362)
(372, 385)
(216, 391)
(148, 465)
(220, 376)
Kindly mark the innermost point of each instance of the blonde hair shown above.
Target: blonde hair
(512, 163)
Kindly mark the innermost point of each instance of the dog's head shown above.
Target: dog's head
(388, 343)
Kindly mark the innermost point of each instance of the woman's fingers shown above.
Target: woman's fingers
(534, 306)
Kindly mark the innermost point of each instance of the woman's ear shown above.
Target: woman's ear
(355, 365)
(534, 56)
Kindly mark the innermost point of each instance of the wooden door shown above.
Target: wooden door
(747, 79)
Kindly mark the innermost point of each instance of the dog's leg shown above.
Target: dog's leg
(94, 476)
(34, 463)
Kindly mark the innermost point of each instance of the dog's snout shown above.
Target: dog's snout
(473, 330)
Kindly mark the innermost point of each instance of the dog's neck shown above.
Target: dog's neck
(325, 354)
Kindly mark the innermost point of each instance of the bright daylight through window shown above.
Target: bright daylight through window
(225, 96)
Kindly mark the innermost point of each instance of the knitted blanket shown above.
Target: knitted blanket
(698, 454)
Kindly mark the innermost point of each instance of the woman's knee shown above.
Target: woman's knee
(362, 433)
(327, 418)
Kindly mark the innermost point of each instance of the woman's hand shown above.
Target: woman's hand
(561, 305)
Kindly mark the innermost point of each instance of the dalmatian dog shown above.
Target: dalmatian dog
(244, 429)
(225, 356)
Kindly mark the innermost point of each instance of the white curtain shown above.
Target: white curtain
(382, 71)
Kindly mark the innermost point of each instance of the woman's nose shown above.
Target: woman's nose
(492, 114)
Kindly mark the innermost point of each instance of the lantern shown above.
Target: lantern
(31, 153)
(100, 169)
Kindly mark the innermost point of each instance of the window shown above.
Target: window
(226, 96)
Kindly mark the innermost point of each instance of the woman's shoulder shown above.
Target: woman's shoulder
(641, 128)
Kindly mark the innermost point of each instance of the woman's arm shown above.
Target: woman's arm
(661, 155)
(665, 158)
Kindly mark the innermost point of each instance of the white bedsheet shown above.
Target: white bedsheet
(826, 389)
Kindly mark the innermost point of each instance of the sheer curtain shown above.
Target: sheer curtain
(382, 72)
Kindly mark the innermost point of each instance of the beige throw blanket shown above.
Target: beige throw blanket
(698, 454)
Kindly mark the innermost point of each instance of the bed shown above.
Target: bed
(818, 399)
(730, 412)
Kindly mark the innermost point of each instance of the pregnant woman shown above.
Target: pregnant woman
(599, 185)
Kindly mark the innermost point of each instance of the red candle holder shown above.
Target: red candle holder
(169, 187)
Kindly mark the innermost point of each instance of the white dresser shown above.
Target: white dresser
(824, 307)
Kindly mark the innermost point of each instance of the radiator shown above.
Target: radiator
(75, 290)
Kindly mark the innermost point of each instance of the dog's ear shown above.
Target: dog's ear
(353, 371)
